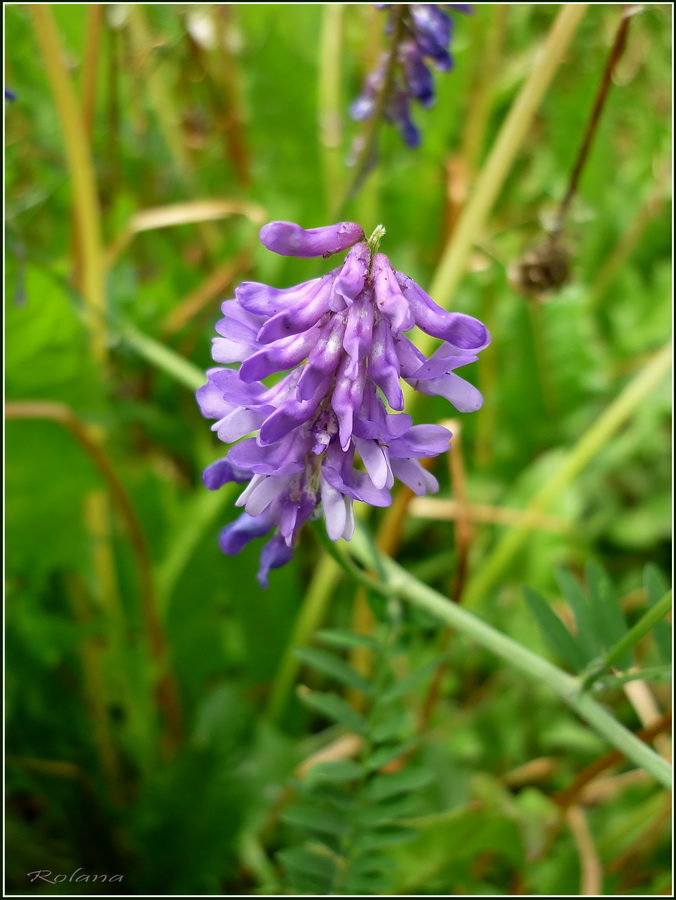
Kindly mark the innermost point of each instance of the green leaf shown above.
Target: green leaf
(315, 818)
(326, 792)
(384, 755)
(386, 836)
(332, 665)
(656, 587)
(343, 638)
(603, 599)
(390, 726)
(407, 684)
(555, 633)
(371, 862)
(335, 708)
(337, 771)
(576, 598)
(389, 810)
(366, 884)
(407, 780)
(307, 862)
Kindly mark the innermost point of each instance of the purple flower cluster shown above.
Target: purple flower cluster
(324, 436)
(425, 37)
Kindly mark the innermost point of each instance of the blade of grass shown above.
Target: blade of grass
(82, 176)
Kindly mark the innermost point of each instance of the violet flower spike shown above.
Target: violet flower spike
(425, 38)
(331, 429)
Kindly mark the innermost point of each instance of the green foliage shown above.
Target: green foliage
(602, 637)
(349, 811)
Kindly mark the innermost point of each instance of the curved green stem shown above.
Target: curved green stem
(403, 585)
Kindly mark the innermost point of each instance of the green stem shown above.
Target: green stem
(589, 446)
(182, 370)
(364, 161)
(530, 664)
(335, 550)
(632, 637)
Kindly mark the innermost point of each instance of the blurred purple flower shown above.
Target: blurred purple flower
(425, 38)
(324, 436)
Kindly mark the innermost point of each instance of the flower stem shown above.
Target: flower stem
(406, 587)
(364, 161)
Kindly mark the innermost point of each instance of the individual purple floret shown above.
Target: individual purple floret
(331, 429)
(423, 37)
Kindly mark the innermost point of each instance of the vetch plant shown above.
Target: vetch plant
(324, 435)
(421, 36)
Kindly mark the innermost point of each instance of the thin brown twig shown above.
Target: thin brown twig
(616, 52)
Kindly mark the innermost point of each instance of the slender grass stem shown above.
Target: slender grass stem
(590, 445)
(407, 588)
(163, 357)
(82, 176)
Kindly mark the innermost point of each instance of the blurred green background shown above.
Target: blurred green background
(139, 658)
